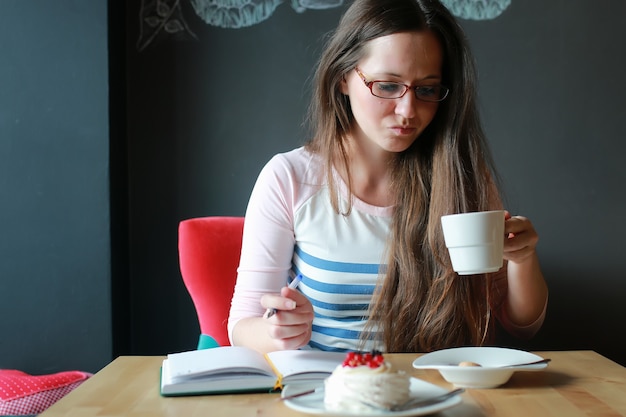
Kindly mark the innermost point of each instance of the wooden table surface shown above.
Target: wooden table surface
(575, 383)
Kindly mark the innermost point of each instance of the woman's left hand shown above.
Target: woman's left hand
(527, 293)
(521, 238)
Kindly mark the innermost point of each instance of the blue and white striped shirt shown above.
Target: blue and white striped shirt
(291, 228)
(339, 258)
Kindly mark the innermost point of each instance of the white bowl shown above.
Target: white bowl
(492, 372)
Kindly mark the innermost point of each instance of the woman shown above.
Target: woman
(397, 144)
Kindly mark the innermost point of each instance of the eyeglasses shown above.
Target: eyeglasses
(390, 89)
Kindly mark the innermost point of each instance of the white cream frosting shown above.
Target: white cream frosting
(353, 389)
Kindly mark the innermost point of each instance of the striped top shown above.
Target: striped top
(291, 228)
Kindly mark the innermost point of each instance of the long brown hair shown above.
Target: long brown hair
(421, 304)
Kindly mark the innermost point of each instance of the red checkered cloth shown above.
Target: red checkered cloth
(24, 394)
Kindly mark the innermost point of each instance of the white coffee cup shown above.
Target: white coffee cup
(475, 241)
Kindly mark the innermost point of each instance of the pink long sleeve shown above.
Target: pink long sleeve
(268, 237)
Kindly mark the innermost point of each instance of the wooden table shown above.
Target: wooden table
(576, 383)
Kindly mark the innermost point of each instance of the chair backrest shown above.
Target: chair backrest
(208, 251)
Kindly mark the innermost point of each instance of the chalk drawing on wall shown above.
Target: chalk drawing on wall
(161, 18)
(235, 14)
(477, 9)
(164, 18)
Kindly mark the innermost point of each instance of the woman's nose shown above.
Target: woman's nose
(407, 104)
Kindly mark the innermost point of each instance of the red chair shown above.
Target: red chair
(208, 251)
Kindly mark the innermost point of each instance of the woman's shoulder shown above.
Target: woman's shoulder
(299, 163)
(289, 179)
(296, 156)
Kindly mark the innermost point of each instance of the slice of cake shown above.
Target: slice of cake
(365, 382)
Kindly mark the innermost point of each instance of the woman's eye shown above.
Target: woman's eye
(427, 91)
(388, 87)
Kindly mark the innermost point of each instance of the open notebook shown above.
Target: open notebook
(232, 369)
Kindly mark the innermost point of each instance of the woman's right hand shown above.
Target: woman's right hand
(290, 327)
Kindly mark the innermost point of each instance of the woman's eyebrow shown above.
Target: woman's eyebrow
(394, 75)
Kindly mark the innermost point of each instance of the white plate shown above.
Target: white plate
(314, 403)
(488, 375)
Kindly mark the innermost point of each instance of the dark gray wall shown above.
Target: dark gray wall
(55, 303)
(206, 114)
(553, 88)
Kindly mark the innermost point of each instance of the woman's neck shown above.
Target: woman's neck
(370, 173)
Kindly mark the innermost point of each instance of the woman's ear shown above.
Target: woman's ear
(343, 86)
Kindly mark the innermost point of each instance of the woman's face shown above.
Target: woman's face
(392, 125)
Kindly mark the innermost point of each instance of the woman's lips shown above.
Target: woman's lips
(403, 130)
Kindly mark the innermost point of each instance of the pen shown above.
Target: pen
(293, 285)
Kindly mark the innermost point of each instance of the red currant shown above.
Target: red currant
(372, 359)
